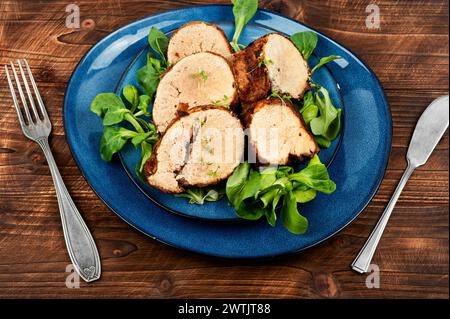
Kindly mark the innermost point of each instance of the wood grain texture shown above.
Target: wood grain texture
(410, 56)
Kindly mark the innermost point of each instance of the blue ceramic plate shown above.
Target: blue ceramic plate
(356, 165)
(220, 210)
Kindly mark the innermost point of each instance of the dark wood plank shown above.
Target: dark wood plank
(410, 56)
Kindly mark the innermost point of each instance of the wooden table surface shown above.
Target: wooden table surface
(409, 53)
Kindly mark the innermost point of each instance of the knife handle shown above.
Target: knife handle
(361, 263)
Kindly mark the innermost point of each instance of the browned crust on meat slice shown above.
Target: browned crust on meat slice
(251, 75)
(150, 168)
(200, 108)
(150, 165)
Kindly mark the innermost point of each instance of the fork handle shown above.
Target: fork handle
(361, 263)
(80, 244)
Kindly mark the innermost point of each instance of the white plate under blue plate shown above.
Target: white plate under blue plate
(356, 165)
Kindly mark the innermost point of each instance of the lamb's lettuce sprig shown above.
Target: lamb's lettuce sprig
(243, 11)
(157, 63)
(318, 111)
(306, 42)
(201, 195)
(159, 42)
(114, 111)
(132, 109)
(255, 194)
(324, 61)
(321, 116)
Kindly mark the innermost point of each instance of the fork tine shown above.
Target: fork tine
(36, 91)
(27, 88)
(14, 97)
(22, 97)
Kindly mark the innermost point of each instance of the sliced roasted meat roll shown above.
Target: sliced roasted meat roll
(199, 79)
(201, 148)
(270, 64)
(195, 37)
(277, 133)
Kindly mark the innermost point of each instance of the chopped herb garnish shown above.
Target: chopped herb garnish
(282, 97)
(202, 122)
(263, 61)
(202, 75)
(224, 102)
(213, 173)
(206, 146)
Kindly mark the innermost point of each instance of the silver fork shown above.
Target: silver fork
(37, 127)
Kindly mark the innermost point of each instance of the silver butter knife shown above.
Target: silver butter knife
(429, 130)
